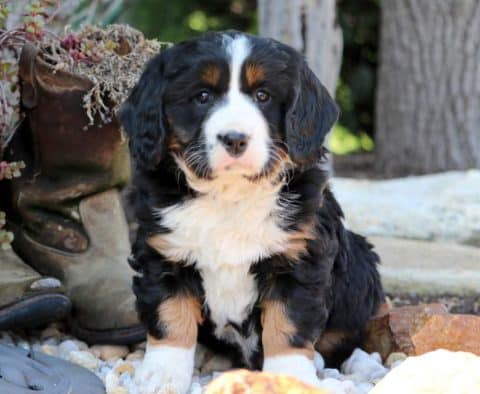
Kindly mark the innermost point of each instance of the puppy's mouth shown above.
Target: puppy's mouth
(194, 162)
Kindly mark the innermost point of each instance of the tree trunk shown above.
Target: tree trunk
(310, 26)
(428, 97)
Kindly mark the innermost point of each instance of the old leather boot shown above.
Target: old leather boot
(70, 221)
(26, 298)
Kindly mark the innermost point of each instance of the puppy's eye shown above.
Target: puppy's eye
(262, 96)
(203, 97)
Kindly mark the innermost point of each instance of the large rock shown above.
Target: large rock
(416, 330)
(243, 382)
(431, 207)
(439, 372)
(428, 268)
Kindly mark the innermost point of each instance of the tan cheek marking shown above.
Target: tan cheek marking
(254, 74)
(329, 341)
(277, 329)
(180, 315)
(211, 75)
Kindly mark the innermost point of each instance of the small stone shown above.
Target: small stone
(6, 339)
(364, 387)
(195, 388)
(84, 359)
(332, 374)
(125, 367)
(440, 371)
(66, 347)
(338, 386)
(216, 363)
(394, 358)
(51, 341)
(46, 283)
(80, 344)
(112, 381)
(49, 349)
(361, 363)
(109, 352)
(135, 356)
(50, 332)
(24, 345)
(318, 361)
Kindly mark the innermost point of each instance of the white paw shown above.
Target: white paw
(295, 365)
(165, 370)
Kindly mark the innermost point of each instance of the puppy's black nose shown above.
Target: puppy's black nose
(234, 142)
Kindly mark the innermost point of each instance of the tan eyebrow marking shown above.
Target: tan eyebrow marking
(211, 74)
(254, 74)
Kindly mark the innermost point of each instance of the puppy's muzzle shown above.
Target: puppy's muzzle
(234, 142)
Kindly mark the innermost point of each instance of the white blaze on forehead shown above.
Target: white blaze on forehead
(238, 49)
(237, 112)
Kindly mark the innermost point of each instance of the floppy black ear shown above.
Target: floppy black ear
(310, 116)
(142, 115)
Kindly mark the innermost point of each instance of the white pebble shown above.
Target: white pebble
(46, 283)
(332, 373)
(394, 358)
(361, 363)
(364, 388)
(109, 352)
(335, 386)
(195, 388)
(112, 381)
(50, 350)
(319, 362)
(6, 339)
(65, 348)
(84, 359)
(24, 345)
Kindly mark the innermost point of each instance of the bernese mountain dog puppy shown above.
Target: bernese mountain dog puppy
(240, 243)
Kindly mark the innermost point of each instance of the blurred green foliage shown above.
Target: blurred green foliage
(176, 20)
(360, 22)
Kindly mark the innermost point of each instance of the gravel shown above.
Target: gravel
(116, 365)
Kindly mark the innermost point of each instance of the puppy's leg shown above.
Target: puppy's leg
(168, 363)
(281, 354)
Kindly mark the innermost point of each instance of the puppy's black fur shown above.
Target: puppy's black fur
(333, 286)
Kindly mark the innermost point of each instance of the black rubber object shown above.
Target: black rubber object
(34, 311)
(23, 372)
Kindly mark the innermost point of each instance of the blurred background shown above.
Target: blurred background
(405, 73)
(355, 87)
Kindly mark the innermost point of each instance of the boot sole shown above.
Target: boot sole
(35, 311)
(119, 336)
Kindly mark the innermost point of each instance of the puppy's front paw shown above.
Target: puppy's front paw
(165, 370)
(295, 365)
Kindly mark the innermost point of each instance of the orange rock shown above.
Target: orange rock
(242, 381)
(391, 331)
(416, 330)
(451, 332)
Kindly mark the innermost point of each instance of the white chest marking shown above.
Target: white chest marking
(232, 225)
